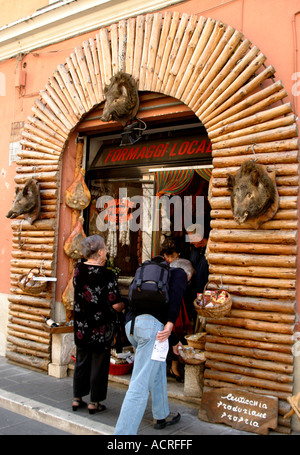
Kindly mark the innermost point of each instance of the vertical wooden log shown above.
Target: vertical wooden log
(105, 56)
(162, 44)
(114, 48)
(153, 47)
(170, 87)
(208, 53)
(167, 51)
(214, 64)
(138, 47)
(176, 44)
(73, 85)
(130, 43)
(91, 73)
(97, 69)
(122, 45)
(57, 93)
(145, 51)
(220, 76)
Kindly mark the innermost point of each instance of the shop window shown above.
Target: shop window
(116, 212)
(147, 191)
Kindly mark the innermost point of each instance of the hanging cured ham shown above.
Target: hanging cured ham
(67, 297)
(78, 195)
(72, 246)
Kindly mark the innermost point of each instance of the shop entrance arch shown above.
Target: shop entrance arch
(226, 81)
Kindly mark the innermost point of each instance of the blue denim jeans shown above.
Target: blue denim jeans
(147, 376)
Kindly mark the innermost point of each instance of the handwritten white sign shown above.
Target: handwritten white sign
(240, 409)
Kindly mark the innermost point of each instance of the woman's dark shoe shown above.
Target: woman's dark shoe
(96, 407)
(175, 376)
(170, 420)
(78, 403)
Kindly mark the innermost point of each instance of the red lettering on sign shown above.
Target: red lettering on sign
(201, 147)
(150, 151)
(174, 147)
(142, 153)
(122, 155)
(132, 153)
(164, 150)
(109, 155)
(183, 148)
(190, 151)
(116, 154)
(157, 150)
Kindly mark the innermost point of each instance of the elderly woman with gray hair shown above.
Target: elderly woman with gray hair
(96, 299)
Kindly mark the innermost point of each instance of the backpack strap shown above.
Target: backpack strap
(160, 282)
(140, 280)
(132, 325)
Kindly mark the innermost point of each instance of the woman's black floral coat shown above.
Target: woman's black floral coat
(95, 291)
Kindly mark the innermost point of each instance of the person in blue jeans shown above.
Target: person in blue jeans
(150, 376)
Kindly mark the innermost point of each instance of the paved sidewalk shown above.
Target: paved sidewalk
(47, 400)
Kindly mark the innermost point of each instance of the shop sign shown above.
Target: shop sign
(176, 149)
(240, 409)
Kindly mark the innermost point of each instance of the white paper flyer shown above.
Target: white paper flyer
(160, 350)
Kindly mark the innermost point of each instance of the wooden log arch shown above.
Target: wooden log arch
(227, 83)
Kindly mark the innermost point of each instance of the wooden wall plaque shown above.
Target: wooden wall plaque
(240, 409)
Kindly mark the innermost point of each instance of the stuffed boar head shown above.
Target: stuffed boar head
(252, 191)
(122, 101)
(27, 202)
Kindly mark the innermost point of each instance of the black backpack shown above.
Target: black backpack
(149, 290)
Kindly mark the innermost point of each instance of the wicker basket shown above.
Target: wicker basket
(30, 286)
(217, 310)
(191, 356)
(197, 340)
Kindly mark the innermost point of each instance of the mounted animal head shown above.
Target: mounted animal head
(27, 202)
(122, 100)
(252, 192)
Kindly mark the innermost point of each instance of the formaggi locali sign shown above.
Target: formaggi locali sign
(191, 148)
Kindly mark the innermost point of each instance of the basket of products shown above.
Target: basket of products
(31, 286)
(213, 304)
(197, 340)
(121, 363)
(191, 356)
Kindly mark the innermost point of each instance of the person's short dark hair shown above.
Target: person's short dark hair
(169, 246)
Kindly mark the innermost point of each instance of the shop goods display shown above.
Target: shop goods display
(191, 356)
(197, 340)
(27, 202)
(122, 101)
(121, 362)
(213, 304)
(78, 195)
(31, 286)
(253, 193)
(72, 246)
